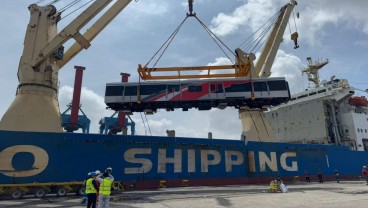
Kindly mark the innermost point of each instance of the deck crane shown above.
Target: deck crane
(255, 126)
(35, 107)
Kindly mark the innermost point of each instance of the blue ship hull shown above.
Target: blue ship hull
(143, 161)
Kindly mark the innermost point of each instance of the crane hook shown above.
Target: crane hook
(294, 37)
(191, 13)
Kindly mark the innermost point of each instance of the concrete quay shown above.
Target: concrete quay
(329, 194)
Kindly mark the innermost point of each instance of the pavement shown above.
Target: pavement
(329, 194)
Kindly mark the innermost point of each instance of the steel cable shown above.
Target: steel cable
(69, 5)
(214, 37)
(271, 19)
(38, 2)
(53, 2)
(168, 41)
(77, 8)
(149, 129)
(145, 128)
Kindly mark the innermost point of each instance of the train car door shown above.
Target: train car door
(216, 91)
(173, 92)
(260, 89)
(130, 94)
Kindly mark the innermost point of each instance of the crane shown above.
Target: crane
(35, 107)
(254, 124)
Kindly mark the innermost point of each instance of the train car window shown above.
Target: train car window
(130, 91)
(219, 88)
(151, 89)
(194, 88)
(216, 88)
(260, 86)
(173, 88)
(277, 85)
(114, 90)
(245, 87)
(213, 87)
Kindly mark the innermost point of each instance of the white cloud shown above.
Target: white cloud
(225, 24)
(315, 16)
(220, 61)
(289, 66)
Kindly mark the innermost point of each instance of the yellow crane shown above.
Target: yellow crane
(35, 107)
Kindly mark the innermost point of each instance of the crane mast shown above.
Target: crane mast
(35, 107)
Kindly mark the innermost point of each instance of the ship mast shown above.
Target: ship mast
(313, 70)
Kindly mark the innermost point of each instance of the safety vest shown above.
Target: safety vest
(90, 189)
(105, 186)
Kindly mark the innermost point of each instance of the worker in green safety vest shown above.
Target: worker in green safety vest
(91, 190)
(106, 180)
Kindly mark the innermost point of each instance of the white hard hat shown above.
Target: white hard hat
(98, 172)
(109, 169)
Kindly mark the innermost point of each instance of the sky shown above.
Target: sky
(336, 30)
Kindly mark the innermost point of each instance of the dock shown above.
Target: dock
(316, 195)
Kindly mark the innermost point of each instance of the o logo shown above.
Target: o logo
(41, 160)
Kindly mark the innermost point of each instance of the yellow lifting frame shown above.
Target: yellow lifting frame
(242, 69)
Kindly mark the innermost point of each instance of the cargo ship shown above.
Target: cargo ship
(37, 156)
(328, 112)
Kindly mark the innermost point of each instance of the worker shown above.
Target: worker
(337, 175)
(106, 180)
(365, 173)
(84, 182)
(320, 177)
(91, 190)
(98, 172)
(307, 178)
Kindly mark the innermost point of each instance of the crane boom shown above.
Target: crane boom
(71, 31)
(95, 29)
(267, 57)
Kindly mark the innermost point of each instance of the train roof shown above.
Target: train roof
(192, 81)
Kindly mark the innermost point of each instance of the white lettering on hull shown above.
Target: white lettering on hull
(130, 157)
(205, 161)
(41, 160)
(163, 160)
(271, 162)
(139, 160)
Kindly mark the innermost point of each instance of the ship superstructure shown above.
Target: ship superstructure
(326, 113)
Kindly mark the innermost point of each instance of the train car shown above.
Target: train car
(201, 94)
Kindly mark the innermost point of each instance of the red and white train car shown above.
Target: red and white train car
(202, 94)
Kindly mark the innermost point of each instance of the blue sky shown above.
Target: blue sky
(333, 29)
